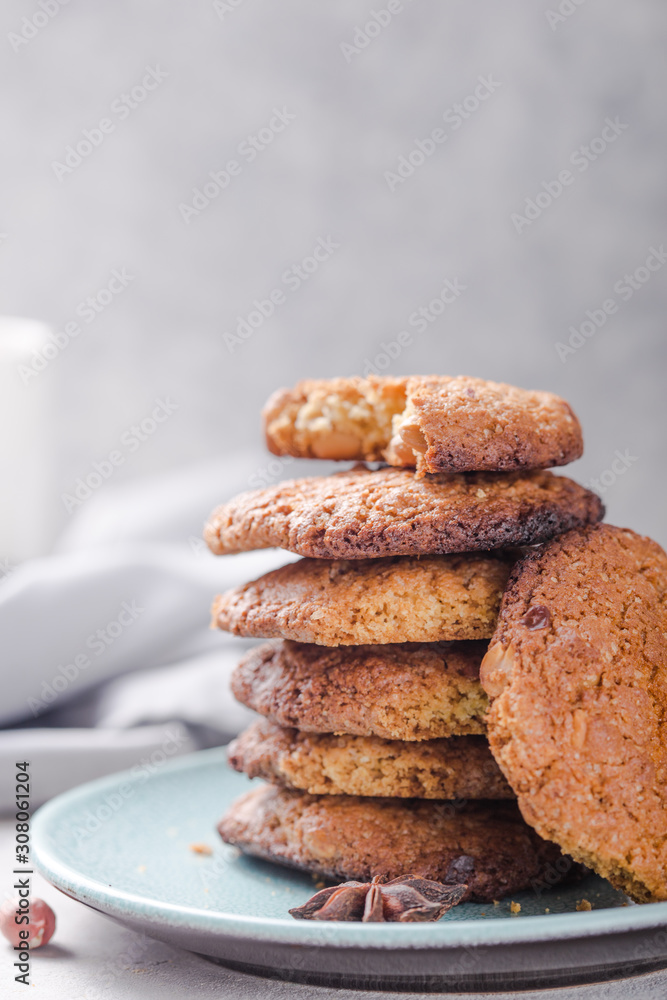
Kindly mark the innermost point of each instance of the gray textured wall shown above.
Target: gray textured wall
(324, 175)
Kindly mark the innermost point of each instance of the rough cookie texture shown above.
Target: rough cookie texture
(386, 512)
(434, 422)
(486, 844)
(577, 674)
(458, 768)
(350, 602)
(416, 691)
(339, 418)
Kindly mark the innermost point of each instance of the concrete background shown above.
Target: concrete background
(554, 78)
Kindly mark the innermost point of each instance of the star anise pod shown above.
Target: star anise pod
(408, 898)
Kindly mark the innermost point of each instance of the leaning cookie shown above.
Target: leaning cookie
(386, 512)
(341, 837)
(351, 602)
(418, 691)
(577, 677)
(435, 423)
(322, 764)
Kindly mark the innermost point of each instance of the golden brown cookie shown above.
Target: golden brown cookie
(486, 844)
(388, 512)
(418, 691)
(351, 602)
(461, 767)
(434, 422)
(577, 674)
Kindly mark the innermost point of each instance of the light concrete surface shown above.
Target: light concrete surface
(551, 84)
(91, 957)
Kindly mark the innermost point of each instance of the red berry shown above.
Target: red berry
(40, 927)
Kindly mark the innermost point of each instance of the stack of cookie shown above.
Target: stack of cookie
(373, 736)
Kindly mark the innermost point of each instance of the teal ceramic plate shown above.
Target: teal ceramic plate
(122, 845)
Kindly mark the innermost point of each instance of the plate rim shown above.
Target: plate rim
(463, 933)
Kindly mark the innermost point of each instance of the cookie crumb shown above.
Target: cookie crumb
(201, 849)
(547, 910)
(584, 905)
(496, 902)
(515, 907)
